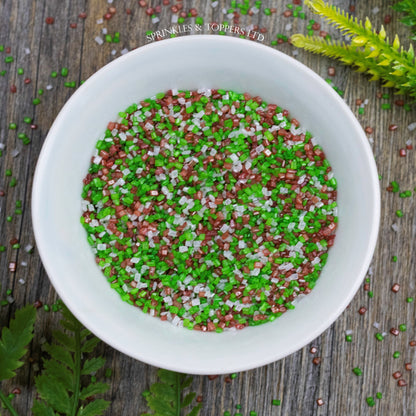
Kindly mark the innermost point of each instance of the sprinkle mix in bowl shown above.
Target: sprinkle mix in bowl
(210, 209)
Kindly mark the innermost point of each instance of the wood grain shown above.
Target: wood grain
(295, 380)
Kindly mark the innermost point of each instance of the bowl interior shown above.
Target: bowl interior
(190, 63)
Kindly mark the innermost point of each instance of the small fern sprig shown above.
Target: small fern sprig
(408, 7)
(13, 346)
(350, 55)
(369, 51)
(165, 397)
(60, 385)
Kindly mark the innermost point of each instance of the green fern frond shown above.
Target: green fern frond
(408, 8)
(330, 48)
(14, 341)
(60, 388)
(368, 51)
(166, 398)
(339, 18)
(362, 35)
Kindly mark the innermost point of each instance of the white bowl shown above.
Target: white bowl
(190, 63)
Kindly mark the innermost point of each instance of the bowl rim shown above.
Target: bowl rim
(41, 170)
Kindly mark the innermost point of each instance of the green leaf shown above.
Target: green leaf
(165, 398)
(188, 399)
(69, 325)
(408, 21)
(66, 313)
(64, 339)
(42, 409)
(401, 6)
(408, 7)
(382, 33)
(369, 51)
(359, 41)
(187, 382)
(59, 353)
(60, 385)
(84, 333)
(90, 344)
(60, 373)
(168, 377)
(195, 411)
(53, 393)
(14, 341)
(160, 407)
(93, 389)
(386, 62)
(396, 43)
(411, 53)
(164, 391)
(95, 408)
(94, 364)
(373, 54)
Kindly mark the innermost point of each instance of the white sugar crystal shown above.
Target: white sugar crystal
(291, 226)
(224, 228)
(301, 179)
(28, 248)
(187, 280)
(411, 126)
(316, 260)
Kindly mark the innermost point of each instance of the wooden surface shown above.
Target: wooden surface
(296, 381)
